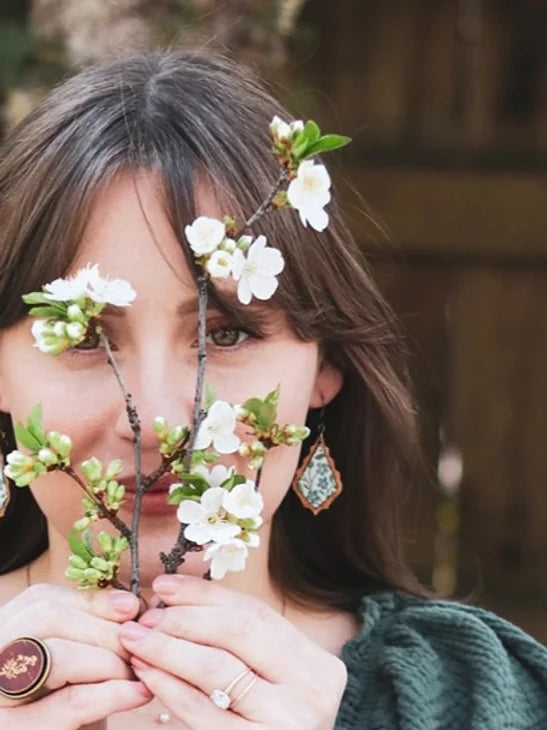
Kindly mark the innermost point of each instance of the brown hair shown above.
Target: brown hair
(192, 116)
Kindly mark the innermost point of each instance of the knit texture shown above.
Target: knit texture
(439, 665)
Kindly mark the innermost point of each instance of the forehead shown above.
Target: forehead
(130, 236)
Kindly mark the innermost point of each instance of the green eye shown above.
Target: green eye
(227, 336)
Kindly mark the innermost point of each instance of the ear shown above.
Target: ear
(328, 383)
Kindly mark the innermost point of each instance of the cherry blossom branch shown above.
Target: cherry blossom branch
(176, 556)
(119, 524)
(135, 424)
(265, 205)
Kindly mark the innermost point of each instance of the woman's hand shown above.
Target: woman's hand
(207, 636)
(90, 677)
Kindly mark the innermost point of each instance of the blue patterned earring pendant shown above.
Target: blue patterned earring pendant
(317, 482)
(5, 490)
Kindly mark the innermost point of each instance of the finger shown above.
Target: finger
(187, 703)
(253, 633)
(48, 619)
(76, 663)
(72, 707)
(108, 604)
(203, 667)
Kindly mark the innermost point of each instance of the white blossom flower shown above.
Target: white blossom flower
(117, 292)
(218, 427)
(216, 476)
(47, 340)
(229, 555)
(87, 282)
(205, 235)
(206, 520)
(220, 264)
(244, 502)
(256, 273)
(64, 290)
(281, 130)
(309, 192)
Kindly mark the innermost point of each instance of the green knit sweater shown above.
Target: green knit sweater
(440, 665)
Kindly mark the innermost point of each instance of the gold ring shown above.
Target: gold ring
(25, 664)
(221, 697)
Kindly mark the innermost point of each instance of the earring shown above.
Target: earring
(5, 489)
(317, 482)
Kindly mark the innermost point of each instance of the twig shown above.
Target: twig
(135, 424)
(182, 545)
(265, 205)
(119, 524)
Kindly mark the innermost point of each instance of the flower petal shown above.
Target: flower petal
(211, 500)
(198, 532)
(226, 443)
(190, 511)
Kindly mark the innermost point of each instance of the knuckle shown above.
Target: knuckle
(215, 663)
(38, 592)
(76, 699)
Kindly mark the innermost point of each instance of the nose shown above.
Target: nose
(159, 385)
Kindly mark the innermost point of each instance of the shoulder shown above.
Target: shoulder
(416, 662)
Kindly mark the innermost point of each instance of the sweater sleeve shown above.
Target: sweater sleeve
(441, 665)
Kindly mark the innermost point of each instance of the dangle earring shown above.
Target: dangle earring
(5, 488)
(317, 482)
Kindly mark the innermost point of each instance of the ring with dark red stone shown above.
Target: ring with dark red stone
(25, 664)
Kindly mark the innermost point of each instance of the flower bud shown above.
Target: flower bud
(75, 331)
(59, 329)
(105, 541)
(47, 457)
(75, 313)
(120, 545)
(228, 244)
(82, 524)
(101, 564)
(176, 434)
(244, 450)
(60, 443)
(160, 427)
(92, 575)
(74, 573)
(92, 469)
(77, 562)
(113, 469)
(243, 242)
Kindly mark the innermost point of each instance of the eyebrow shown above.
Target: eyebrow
(252, 316)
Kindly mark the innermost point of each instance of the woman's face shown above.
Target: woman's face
(155, 345)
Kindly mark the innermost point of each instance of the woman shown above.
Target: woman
(326, 627)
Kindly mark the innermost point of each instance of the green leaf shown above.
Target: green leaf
(266, 418)
(78, 547)
(233, 481)
(273, 397)
(311, 132)
(177, 495)
(26, 438)
(35, 297)
(326, 144)
(46, 312)
(195, 480)
(35, 424)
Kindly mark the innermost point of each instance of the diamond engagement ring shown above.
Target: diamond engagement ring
(221, 697)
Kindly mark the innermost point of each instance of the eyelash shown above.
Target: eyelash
(212, 329)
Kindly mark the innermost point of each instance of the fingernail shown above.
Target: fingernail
(166, 584)
(123, 601)
(151, 618)
(133, 632)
